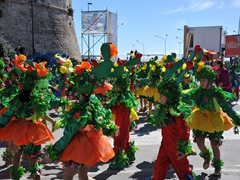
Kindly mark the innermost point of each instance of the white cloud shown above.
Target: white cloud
(173, 11)
(199, 5)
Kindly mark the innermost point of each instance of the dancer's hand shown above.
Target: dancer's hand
(180, 155)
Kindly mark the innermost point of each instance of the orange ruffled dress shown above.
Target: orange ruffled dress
(23, 132)
(88, 147)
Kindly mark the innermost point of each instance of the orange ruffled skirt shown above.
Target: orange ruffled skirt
(210, 121)
(88, 147)
(23, 132)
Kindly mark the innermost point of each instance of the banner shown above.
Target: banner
(94, 22)
(232, 47)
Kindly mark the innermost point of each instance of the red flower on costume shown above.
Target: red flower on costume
(138, 55)
(197, 49)
(206, 100)
(189, 65)
(76, 115)
(121, 62)
(170, 65)
(94, 63)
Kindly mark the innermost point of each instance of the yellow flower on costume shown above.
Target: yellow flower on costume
(115, 64)
(68, 63)
(144, 67)
(125, 69)
(56, 56)
(112, 70)
(158, 63)
(163, 69)
(63, 69)
(200, 66)
(184, 66)
(153, 68)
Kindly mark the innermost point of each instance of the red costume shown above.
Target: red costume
(171, 133)
(121, 140)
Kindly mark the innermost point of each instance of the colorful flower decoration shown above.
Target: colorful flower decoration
(41, 69)
(20, 61)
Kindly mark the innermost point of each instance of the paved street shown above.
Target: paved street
(147, 139)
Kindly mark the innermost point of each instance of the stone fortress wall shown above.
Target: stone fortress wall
(53, 25)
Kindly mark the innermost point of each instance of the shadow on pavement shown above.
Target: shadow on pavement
(145, 129)
(4, 174)
(143, 166)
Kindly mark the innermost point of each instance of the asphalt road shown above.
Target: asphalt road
(147, 138)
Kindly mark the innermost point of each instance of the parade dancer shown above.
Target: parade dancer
(83, 143)
(170, 115)
(209, 119)
(21, 123)
(122, 102)
(5, 94)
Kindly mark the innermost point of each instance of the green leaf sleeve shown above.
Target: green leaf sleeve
(5, 118)
(69, 131)
(228, 110)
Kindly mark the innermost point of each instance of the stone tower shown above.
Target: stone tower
(53, 27)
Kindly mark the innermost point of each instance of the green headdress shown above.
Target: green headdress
(28, 73)
(85, 77)
(122, 71)
(206, 73)
(173, 75)
(171, 89)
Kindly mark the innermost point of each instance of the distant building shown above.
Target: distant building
(211, 38)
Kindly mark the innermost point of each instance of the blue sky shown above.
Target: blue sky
(143, 20)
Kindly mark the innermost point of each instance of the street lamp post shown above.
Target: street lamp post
(142, 45)
(33, 48)
(179, 38)
(120, 25)
(88, 33)
(117, 34)
(182, 42)
(165, 42)
(236, 32)
(179, 49)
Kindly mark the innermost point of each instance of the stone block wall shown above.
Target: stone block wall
(53, 25)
